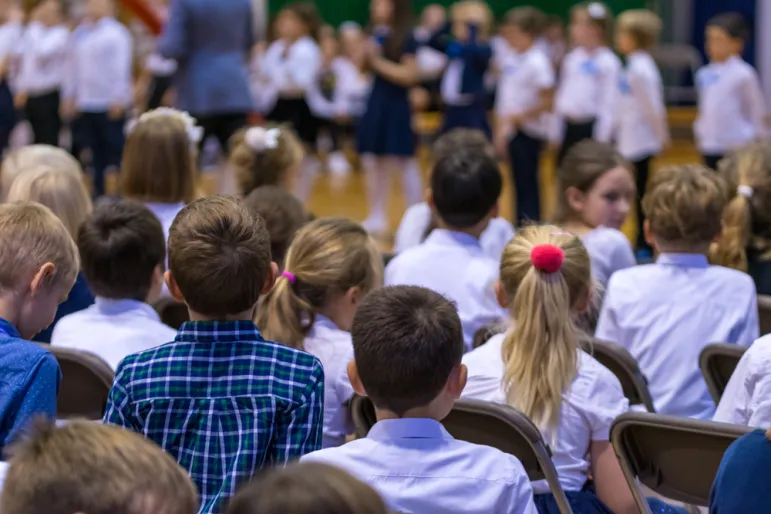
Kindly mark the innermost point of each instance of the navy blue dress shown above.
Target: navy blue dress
(385, 129)
(79, 298)
(741, 484)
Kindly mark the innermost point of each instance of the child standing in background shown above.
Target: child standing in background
(584, 103)
(265, 156)
(731, 104)
(10, 34)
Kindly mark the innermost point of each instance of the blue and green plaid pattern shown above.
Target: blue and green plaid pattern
(223, 402)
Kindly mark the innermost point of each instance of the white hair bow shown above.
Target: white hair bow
(597, 11)
(260, 139)
(194, 132)
(745, 191)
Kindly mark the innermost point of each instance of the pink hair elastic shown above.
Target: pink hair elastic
(289, 276)
(547, 258)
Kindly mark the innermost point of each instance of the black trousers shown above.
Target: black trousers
(42, 112)
(574, 133)
(525, 157)
(105, 137)
(221, 126)
(156, 90)
(7, 115)
(642, 172)
(711, 160)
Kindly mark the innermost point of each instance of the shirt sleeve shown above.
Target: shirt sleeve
(412, 228)
(298, 431)
(120, 67)
(623, 256)
(607, 402)
(603, 128)
(117, 411)
(38, 395)
(69, 75)
(754, 104)
(750, 330)
(735, 402)
(647, 97)
(519, 497)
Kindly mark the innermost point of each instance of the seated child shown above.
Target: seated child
(331, 266)
(284, 215)
(223, 401)
(666, 313)
(89, 467)
(597, 190)
(465, 187)
(265, 156)
(307, 488)
(743, 476)
(29, 156)
(408, 345)
(123, 253)
(38, 266)
(418, 222)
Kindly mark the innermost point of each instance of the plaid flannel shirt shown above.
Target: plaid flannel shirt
(223, 402)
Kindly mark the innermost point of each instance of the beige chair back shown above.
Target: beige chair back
(764, 314)
(718, 362)
(86, 382)
(621, 363)
(171, 312)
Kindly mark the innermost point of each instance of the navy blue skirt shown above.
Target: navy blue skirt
(385, 129)
(466, 116)
(586, 502)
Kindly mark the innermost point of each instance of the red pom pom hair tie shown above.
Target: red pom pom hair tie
(547, 258)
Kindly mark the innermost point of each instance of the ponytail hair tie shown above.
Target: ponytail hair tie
(289, 276)
(745, 191)
(547, 258)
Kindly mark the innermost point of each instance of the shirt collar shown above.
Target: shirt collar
(218, 331)
(112, 307)
(450, 237)
(683, 260)
(7, 328)
(407, 428)
(323, 321)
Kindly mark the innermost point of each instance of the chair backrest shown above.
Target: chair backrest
(718, 362)
(621, 363)
(172, 312)
(764, 314)
(490, 424)
(86, 382)
(676, 61)
(677, 458)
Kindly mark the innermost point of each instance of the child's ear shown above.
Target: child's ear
(650, 238)
(270, 280)
(457, 381)
(354, 295)
(174, 290)
(575, 199)
(494, 211)
(42, 278)
(353, 377)
(429, 195)
(500, 295)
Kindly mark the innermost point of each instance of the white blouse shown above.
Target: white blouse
(747, 397)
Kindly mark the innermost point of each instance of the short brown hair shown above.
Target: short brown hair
(121, 245)
(306, 488)
(94, 468)
(256, 167)
(31, 236)
(406, 342)
(684, 204)
(159, 161)
(283, 213)
(219, 255)
(529, 20)
(459, 138)
(599, 15)
(643, 25)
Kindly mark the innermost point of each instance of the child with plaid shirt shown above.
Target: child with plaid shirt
(219, 398)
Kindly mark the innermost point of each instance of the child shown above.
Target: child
(552, 41)
(97, 86)
(64, 193)
(89, 467)
(522, 103)
(123, 252)
(385, 139)
(265, 156)
(29, 156)
(283, 214)
(665, 313)
(596, 189)
(11, 29)
(41, 53)
(159, 164)
(742, 476)
(731, 104)
(407, 343)
(308, 488)
(418, 222)
(641, 126)
(430, 62)
(331, 266)
(38, 266)
(584, 103)
(223, 401)
(465, 187)
(744, 242)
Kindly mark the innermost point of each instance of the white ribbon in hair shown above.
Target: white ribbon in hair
(597, 11)
(260, 139)
(745, 191)
(194, 132)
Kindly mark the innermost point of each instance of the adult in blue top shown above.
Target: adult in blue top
(741, 484)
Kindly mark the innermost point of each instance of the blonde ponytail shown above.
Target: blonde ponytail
(731, 250)
(284, 317)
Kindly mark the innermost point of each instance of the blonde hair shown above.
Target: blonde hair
(642, 24)
(31, 236)
(159, 161)
(60, 190)
(540, 353)
(747, 217)
(327, 256)
(29, 156)
(257, 166)
(473, 11)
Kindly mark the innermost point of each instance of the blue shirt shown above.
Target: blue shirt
(741, 483)
(29, 382)
(79, 298)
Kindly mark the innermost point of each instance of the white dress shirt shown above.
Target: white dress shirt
(112, 329)
(41, 54)
(666, 313)
(731, 107)
(417, 218)
(523, 78)
(454, 265)
(10, 35)
(587, 91)
(747, 397)
(334, 349)
(350, 95)
(419, 468)
(98, 71)
(641, 118)
(609, 250)
(589, 406)
(288, 67)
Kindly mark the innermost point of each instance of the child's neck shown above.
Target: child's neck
(721, 61)
(577, 227)
(10, 308)
(430, 411)
(241, 316)
(594, 46)
(475, 231)
(675, 247)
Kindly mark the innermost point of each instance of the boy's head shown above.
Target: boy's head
(683, 208)
(408, 346)
(725, 36)
(38, 265)
(283, 213)
(123, 251)
(465, 186)
(458, 138)
(219, 259)
(637, 29)
(522, 25)
(90, 468)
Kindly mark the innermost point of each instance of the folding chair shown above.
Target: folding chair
(675, 60)
(764, 314)
(171, 312)
(491, 424)
(388, 257)
(86, 382)
(677, 458)
(621, 363)
(718, 362)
